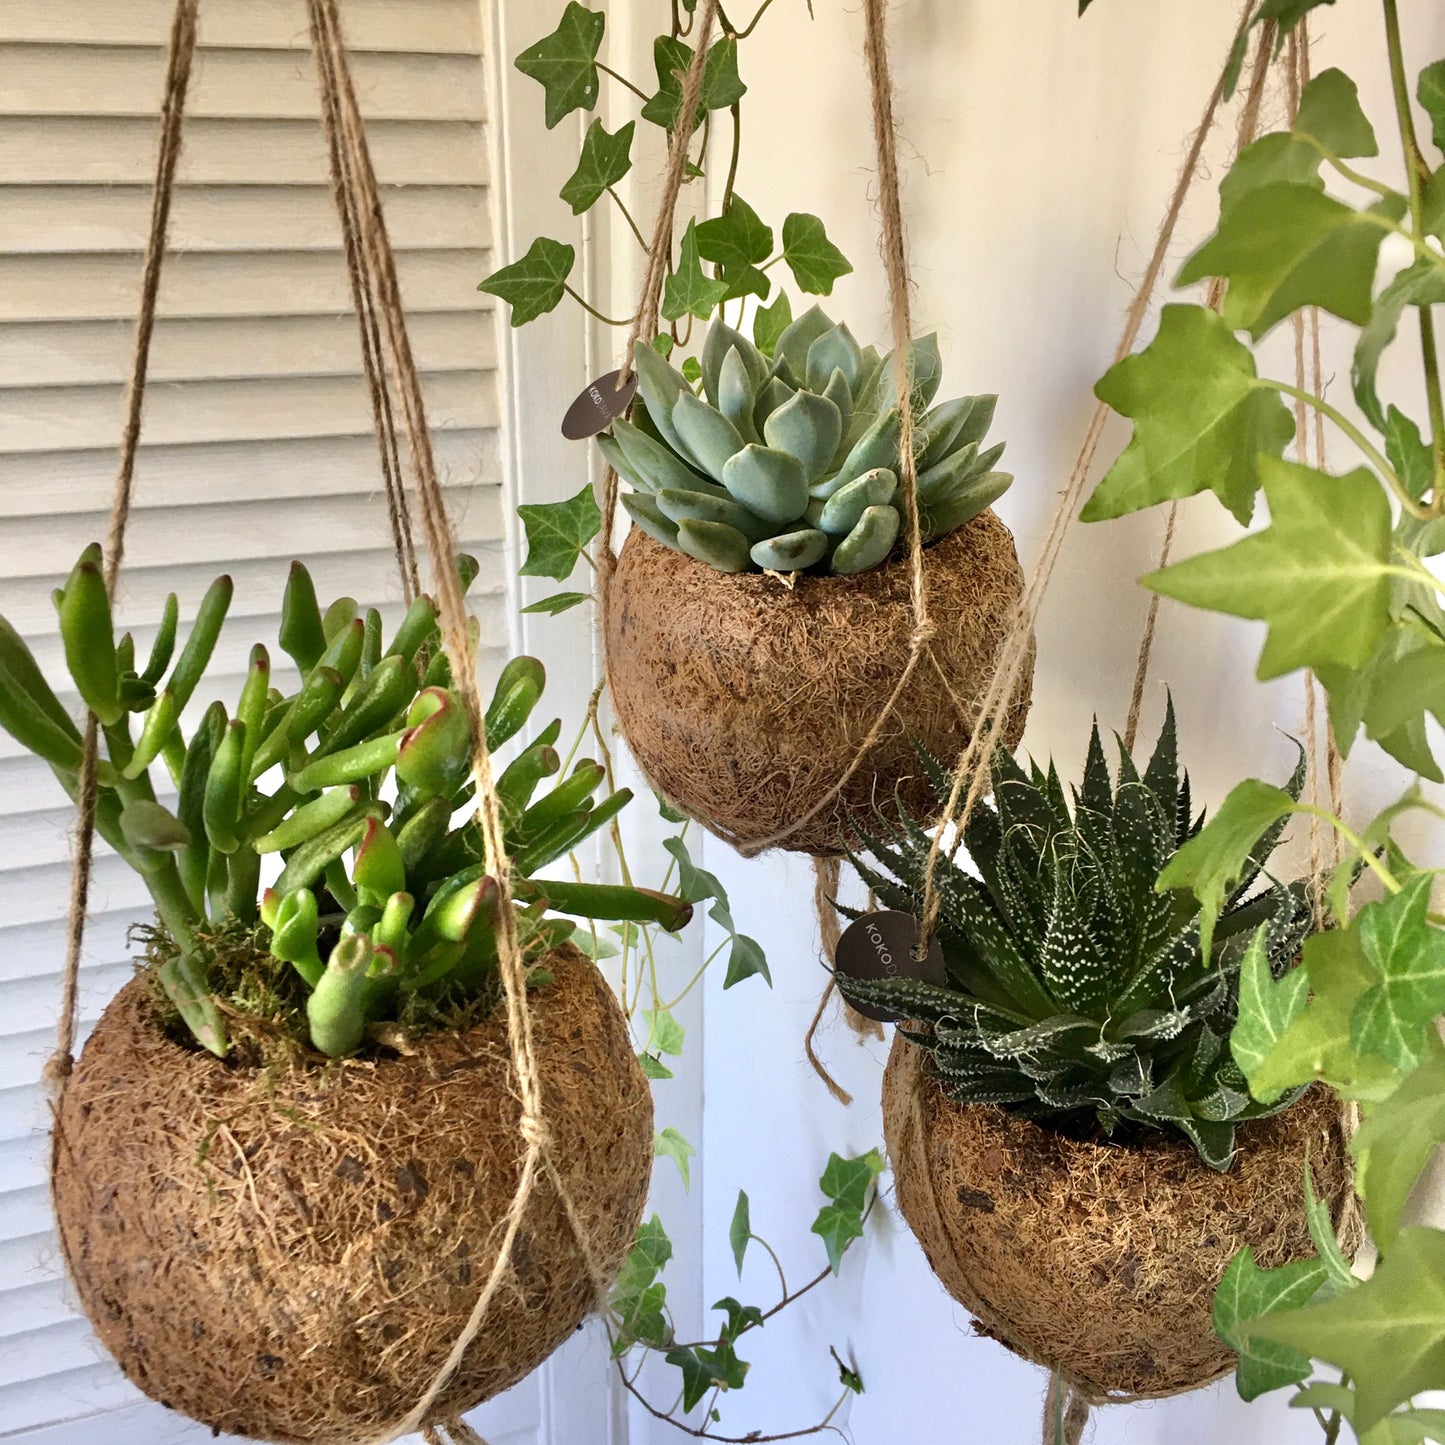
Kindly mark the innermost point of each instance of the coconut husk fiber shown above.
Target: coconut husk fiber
(1101, 1260)
(745, 701)
(292, 1257)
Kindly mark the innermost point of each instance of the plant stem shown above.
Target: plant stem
(753, 23)
(1418, 172)
(627, 216)
(593, 311)
(1372, 454)
(1367, 854)
(622, 80)
(737, 114)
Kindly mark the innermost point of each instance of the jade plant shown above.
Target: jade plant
(790, 462)
(381, 904)
(1076, 994)
(1344, 577)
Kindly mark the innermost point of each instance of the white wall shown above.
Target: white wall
(1039, 151)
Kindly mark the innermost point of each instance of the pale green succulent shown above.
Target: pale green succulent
(791, 462)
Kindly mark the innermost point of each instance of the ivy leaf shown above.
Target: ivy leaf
(721, 85)
(1213, 861)
(693, 883)
(1316, 1045)
(737, 240)
(1408, 452)
(741, 1317)
(1318, 576)
(565, 62)
(1246, 1293)
(664, 1033)
(1330, 113)
(653, 1067)
(1288, 12)
(703, 1369)
(1433, 205)
(558, 602)
(1388, 1335)
(1282, 158)
(1396, 1141)
(769, 323)
(848, 1375)
(637, 1297)
(1408, 955)
(846, 1182)
(740, 1231)
(533, 285)
(557, 534)
(745, 960)
(604, 161)
(669, 1144)
(665, 809)
(1431, 92)
(1422, 284)
(1326, 1241)
(1286, 246)
(1267, 1007)
(812, 258)
(688, 290)
(1201, 419)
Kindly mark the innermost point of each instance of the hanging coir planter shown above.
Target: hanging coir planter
(762, 616)
(290, 1256)
(1072, 1141)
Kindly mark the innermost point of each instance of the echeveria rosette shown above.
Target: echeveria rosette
(380, 903)
(1077, 995)
(790, 463)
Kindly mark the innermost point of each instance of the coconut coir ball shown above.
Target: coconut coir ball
(1101, 1259)
(292, 1257)
(744, 700)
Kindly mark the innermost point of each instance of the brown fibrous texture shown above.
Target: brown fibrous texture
(745, 701)
(292, 1255)
(1101, 1260)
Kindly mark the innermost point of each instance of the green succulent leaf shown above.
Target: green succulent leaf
(558, 534)
(1407, 952)
(1247, 1294)
(605, 159)
(687, 291)
(1286, 246)
(1202, 419)
(1388, 1335)
(536, 283)
(816, 263)
(565, 62)
(1319, 575)
(847, 1184)
(1396, 1141)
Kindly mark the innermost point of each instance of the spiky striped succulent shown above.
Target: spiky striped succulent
(1076, 994)
(791, 463)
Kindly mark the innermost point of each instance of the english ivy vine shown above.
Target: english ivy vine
(1341, 578)
(727, 257)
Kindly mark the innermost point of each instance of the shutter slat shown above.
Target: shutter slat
(106, 287)
(441, 27)
(33, 1307)
(71, 150)
(52, 483)
(124, 80)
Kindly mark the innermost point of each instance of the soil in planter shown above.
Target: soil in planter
(290, 1254)
(745, 701)
(1101, 1259)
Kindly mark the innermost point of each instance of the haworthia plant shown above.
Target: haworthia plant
(376, 902)
(790, 462)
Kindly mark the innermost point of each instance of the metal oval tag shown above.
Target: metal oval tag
(599, 406)
(882, 946)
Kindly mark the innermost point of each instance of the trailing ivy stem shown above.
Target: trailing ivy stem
(692, 983)
(622, 80)
(591, 310)
(627, 216)
(737, 114)
(1367, 854)
(1418, 171)
(1373, 455)
(753, 23)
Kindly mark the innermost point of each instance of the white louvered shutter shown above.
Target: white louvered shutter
(257, 448)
